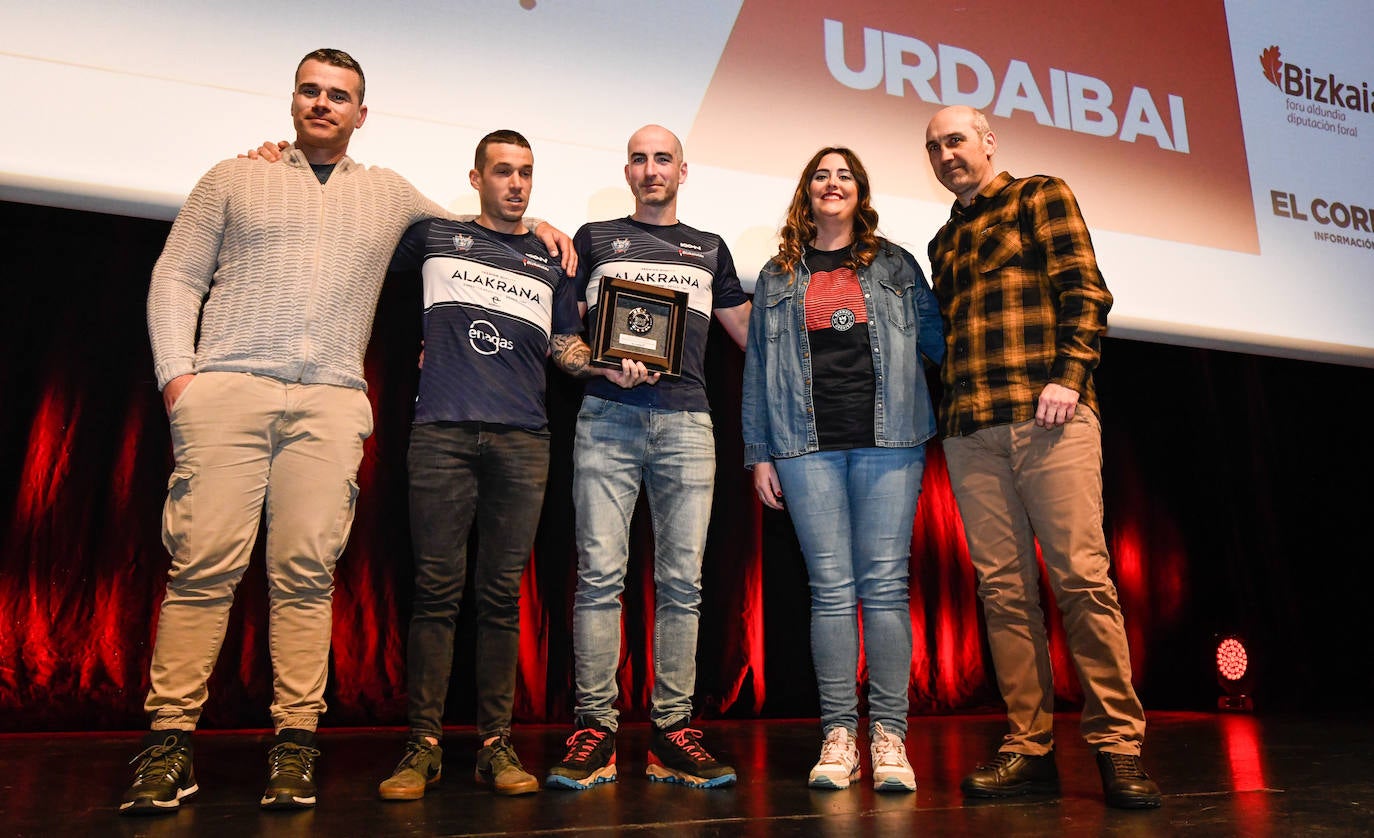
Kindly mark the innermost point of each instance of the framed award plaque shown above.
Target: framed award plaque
(642, 322)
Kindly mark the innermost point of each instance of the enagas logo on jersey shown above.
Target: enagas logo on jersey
(620, 245)
(462, 242)
(485, 339)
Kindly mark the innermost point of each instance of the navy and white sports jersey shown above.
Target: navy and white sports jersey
(674, 256)
(491, 302)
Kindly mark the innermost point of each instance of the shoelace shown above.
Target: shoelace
(415, 751)
(582, 743)
(503, 756)
(158, 763)
(838, 748)
(293, 759)
(687, 740)
(1000, 761)
(888, 749)
(1126, 766)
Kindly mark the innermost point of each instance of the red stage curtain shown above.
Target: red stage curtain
(84, 459)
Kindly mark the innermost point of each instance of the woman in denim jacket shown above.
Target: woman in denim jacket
(836, 414)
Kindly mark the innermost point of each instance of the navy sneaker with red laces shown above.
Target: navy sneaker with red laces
(676, 755)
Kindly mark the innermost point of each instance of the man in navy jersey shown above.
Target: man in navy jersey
(496, 305)
(660, 436)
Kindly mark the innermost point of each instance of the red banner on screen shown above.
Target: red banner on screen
(1136, 109)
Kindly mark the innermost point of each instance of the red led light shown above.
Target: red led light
(1232, 660)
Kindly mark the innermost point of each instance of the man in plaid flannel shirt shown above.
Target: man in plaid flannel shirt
(1025, 308)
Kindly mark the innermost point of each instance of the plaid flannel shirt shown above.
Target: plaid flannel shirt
(1022, 299)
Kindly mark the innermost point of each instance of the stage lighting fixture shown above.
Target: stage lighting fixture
(1235, 673)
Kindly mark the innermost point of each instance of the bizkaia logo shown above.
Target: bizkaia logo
(1324, 89)
(1076, 101)
(1150, 140)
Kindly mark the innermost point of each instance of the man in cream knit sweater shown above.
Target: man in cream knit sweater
(279, 267)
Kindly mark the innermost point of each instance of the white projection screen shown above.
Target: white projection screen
(1223, 152)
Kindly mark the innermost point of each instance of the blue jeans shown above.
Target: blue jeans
(853, 511)
(672, 453)
(461, 472)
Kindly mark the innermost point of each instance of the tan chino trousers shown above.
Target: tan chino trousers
(1015, 485)
(245, 444)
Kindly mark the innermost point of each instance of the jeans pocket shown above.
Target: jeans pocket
(594, 408)
(700, 418)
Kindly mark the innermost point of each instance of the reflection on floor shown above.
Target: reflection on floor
(1221, 774)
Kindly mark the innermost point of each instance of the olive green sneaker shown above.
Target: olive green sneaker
(418, 770)
(499, 768)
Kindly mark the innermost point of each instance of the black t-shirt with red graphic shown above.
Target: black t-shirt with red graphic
(842, 389)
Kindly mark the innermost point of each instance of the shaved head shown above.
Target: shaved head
(653, 138)
(654, 169)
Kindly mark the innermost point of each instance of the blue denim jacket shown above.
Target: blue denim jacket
(903, 324)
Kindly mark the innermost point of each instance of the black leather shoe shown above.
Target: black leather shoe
(1010, 775)
(1125, 783)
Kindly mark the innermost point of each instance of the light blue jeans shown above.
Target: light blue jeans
(672, 453)
(853, 512)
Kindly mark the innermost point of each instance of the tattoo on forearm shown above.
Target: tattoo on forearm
(572, 355)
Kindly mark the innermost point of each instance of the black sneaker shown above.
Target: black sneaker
(499, 769)
(164, 776)
(676, 755)
(291, 767)
(418, 770)
(590, 760)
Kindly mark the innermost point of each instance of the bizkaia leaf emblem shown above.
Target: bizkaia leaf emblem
(1273, 67)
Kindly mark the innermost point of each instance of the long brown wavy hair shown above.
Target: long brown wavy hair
(800, 227)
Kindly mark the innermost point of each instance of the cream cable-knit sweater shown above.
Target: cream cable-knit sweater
(292, 269)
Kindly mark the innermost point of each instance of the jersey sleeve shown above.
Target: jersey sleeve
(726, 290)
(566, 319)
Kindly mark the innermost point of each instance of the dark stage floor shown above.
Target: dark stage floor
(1222, 775)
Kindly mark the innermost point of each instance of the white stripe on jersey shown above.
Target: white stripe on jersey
(448, 279)
(690, 278)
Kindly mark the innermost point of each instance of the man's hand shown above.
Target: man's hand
(174, 389)
(559, 245)
(631, 374)
(1056, 406)
(269, 151)
(766, 485)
